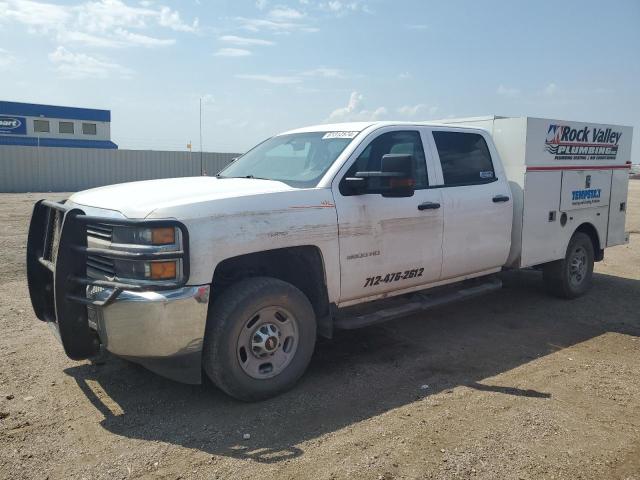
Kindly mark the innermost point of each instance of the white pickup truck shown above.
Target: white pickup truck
(320, 228)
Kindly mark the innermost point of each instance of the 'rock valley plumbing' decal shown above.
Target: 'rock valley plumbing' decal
(586, 143)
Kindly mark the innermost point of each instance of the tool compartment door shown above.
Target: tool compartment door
(616, 234)
(585, 189)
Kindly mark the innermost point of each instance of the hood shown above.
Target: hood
(139, 199)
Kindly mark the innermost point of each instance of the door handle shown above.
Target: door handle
(500, 198)
(429, 206)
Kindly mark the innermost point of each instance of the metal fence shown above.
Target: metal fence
(47, 169)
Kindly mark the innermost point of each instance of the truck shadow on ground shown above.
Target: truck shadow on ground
(364, 373)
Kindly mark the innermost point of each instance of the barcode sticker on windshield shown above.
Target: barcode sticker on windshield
(340, 135)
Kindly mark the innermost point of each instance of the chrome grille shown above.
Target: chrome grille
(99, 266)
(99, 234)
(100, 231)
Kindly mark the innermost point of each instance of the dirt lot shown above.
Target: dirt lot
(511, 385)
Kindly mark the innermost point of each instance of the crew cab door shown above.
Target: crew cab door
(477, 202)
(387, 243)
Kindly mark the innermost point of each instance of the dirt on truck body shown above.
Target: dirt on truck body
(514, 384)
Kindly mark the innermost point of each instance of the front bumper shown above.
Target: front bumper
(162, 331)
(158, 324)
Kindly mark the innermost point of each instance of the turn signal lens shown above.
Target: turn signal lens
(163, 270)
(163, 236)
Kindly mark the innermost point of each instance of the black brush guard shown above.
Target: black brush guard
(57, 271)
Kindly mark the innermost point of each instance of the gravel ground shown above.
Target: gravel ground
(511, 385)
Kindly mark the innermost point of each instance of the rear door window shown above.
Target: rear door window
(464, 157)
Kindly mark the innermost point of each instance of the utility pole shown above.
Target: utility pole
(201, 161)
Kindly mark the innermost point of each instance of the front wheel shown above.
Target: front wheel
(260, 337)
(571, 277)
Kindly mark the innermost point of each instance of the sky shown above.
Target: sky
(266, 66)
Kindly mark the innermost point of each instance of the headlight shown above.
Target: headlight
(144, 270)
(113, 243)
(144, 236)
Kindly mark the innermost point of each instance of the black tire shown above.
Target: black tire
(226, 321)
(561, 277)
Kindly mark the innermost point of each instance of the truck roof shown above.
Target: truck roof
(360, 126)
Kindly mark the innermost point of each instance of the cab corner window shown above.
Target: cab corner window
(464, 157)
(405, 142)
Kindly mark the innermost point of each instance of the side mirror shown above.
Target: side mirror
(394, 179)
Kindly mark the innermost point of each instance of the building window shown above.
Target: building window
(89, 129)
(65, 127)
(41, 126)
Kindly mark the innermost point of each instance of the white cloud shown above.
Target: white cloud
(261, 4)
(325, 72)
(355, 111)
(340, 7)
(412, 111)
(245, 41)
(337, 6)
(171, 18)
(137, 39)
(273, 79)
(550, 90)
(279, 20)
(418, 26)
(106, 15)
(285, 13)
(298, 77)
(404, 76)
(508, 92)
(276, 25)
(40, 17)
(119, 38)
(232, 52)
(87, 39)
(78, 65)
(7, 60)
(102, 23)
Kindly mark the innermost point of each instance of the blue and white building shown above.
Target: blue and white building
(34, 125)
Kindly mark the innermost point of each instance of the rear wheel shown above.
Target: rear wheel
(571, 277)
(260, 337)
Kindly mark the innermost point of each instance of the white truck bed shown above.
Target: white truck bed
(558, 167)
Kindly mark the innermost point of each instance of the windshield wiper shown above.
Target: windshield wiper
(245, 176)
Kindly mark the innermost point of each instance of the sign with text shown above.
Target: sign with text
(13, 125)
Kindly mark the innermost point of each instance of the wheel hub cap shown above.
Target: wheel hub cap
(268, 342)
(265, 340)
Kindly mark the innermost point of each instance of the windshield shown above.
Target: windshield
(299, 159)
